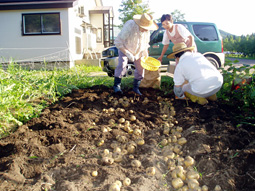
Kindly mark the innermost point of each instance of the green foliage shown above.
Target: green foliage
(242, 44)
(178, 16)
(167, 84)
(23, 93)
(242, 98)
(129, 8)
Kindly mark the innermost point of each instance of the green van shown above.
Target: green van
(207, 37)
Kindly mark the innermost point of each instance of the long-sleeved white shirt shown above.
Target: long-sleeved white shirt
(202, 76)
(133, 40)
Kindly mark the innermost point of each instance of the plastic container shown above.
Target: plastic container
(150, 63)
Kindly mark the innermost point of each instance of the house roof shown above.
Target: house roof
(102, 9)
(34, 4)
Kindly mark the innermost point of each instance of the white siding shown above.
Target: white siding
(97, 20)
(42, 47)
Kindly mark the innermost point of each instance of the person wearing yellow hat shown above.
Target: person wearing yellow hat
(204, 80)
(133, 43)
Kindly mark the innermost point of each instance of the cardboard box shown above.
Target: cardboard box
(170, 69)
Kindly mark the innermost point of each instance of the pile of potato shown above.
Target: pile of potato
(184, 177)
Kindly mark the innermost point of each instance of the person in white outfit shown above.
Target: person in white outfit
(204, 80)
(133, 43)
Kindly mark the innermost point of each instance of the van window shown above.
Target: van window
(206, 32)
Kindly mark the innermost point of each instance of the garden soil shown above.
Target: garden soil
(61, 148)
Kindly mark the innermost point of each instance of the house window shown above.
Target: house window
(41, 24)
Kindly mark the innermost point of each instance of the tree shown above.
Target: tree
(129, 8)
(178, 16)
(243, 44)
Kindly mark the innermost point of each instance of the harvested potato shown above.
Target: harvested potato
(122, 120)
(137, 132)
(179, 129)
(117, 150)
(114, 187)
(192, 183)
(131, 149)
(189, 161)
(132, 118)
(164, 142)
(122, 139)
(174, 139)
(107, 160)
(177, 183)
(166, 130)
(182, 141)
(177, 148)
(104, 129)
(100, 143)
(151, 171)
(111, 110)
(94, 173)
(217, 188)
(111, 122)
(205, 188)
(106, 152)
(125, 103)
(140, 141)
(119, 183)
(126, 181)
(136, 163)
(131, 156)
(127, 123)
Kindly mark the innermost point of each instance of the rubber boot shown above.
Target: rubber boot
(212, 97)
(116, 86)
(193, 98)
(202, 101)
(136, 86)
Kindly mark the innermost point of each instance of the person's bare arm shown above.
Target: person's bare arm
(163, 52)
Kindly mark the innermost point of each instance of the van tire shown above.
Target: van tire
(110, 74)
(213, 61)
(130, 70)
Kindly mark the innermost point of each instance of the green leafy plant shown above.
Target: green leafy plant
(24, 93)
(239, 89)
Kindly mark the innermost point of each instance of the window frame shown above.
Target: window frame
(24, 33)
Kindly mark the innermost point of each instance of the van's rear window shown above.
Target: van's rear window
(206, 32)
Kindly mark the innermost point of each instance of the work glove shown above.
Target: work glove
(130, 56)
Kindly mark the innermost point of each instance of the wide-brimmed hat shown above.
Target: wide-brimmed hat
(179, 47)
(145, 21)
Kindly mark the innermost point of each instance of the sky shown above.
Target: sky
(233, 16)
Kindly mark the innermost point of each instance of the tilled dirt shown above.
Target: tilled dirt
(60, 149)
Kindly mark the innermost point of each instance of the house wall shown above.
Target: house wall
(97, 20)
(75, 34)
(34, 48)
(69, 46)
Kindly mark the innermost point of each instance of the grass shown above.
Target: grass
(24, 94)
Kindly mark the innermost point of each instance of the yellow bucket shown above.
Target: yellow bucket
(150, 63)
